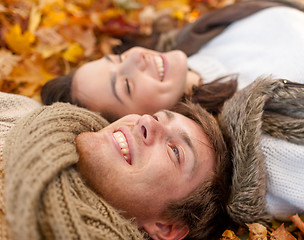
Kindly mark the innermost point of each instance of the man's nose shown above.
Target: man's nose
(151, 129)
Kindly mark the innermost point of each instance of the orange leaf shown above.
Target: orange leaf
(53, 18)
(298, 222)
(30, 71)
(281, 234)
(229, 235)
(18, 42)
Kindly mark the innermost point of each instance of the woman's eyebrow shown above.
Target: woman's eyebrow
(113, 80)
(113, 84)
(108, 58)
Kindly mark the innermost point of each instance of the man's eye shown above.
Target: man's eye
(128, 86)
(176, 152)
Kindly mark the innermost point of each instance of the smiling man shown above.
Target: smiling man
(159, 175)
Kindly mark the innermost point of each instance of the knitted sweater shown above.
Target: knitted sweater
(12, 107)
(46, 197)
(275, 108)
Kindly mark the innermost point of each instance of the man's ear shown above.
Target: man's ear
(166, 231)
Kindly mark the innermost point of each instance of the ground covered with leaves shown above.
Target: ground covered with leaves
(42, 39)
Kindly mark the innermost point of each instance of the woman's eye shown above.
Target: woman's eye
(128, 86)
(176, 152)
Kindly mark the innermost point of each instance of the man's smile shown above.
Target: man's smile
(123, 144)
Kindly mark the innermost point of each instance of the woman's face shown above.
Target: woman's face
(139, 81)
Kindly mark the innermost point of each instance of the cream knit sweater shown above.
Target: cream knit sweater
(12, 107)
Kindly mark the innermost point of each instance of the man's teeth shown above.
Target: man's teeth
(122, 142)
(160, 66)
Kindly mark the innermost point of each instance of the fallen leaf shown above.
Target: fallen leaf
(298, 222)
(73, 53)
(229, 235)
(7, 62)
(19, 42)
(53, 18)
(107, 44)
(35, 18)
(85, 37)
(257, 231)
(281, 234)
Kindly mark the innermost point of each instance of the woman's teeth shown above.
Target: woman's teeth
(122, 142)
(160, 66)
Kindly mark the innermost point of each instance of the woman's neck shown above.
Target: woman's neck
(193, 79)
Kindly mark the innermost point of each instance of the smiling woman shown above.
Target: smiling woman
(127, 83)
(138, 81)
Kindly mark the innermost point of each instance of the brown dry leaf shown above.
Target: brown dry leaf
(7, 62)
(257, 231)
(281, 234)
(85, 37)
(49, 35)
(229, 235)
(298, 222)
(107, 44)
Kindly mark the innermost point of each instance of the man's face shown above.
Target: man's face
(141, 163)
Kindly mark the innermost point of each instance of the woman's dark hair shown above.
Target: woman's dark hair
(213, 95)
(57, 90)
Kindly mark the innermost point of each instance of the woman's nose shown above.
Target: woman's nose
(135, 59)
(151, 129)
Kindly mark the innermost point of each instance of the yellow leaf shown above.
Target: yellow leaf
(53, 18)
(18, 42)
(229, 235)
(73, 53)
(35, 18)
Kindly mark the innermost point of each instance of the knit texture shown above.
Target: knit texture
(46, 197)
(285, 165)
(12, 107)
(272, 106)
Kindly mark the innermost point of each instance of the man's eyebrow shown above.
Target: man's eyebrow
(186, 138)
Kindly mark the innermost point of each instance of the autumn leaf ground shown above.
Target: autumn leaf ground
(42, 39)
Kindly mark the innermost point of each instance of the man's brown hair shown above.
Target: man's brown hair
(204, 211)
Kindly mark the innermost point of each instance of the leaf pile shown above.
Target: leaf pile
(42, 39)
(294, 230)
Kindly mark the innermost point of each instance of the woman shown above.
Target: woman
(138, 81)
(249, 38)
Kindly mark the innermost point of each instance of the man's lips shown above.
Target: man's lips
(123, 145)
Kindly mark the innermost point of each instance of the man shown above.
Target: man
(146, 172)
